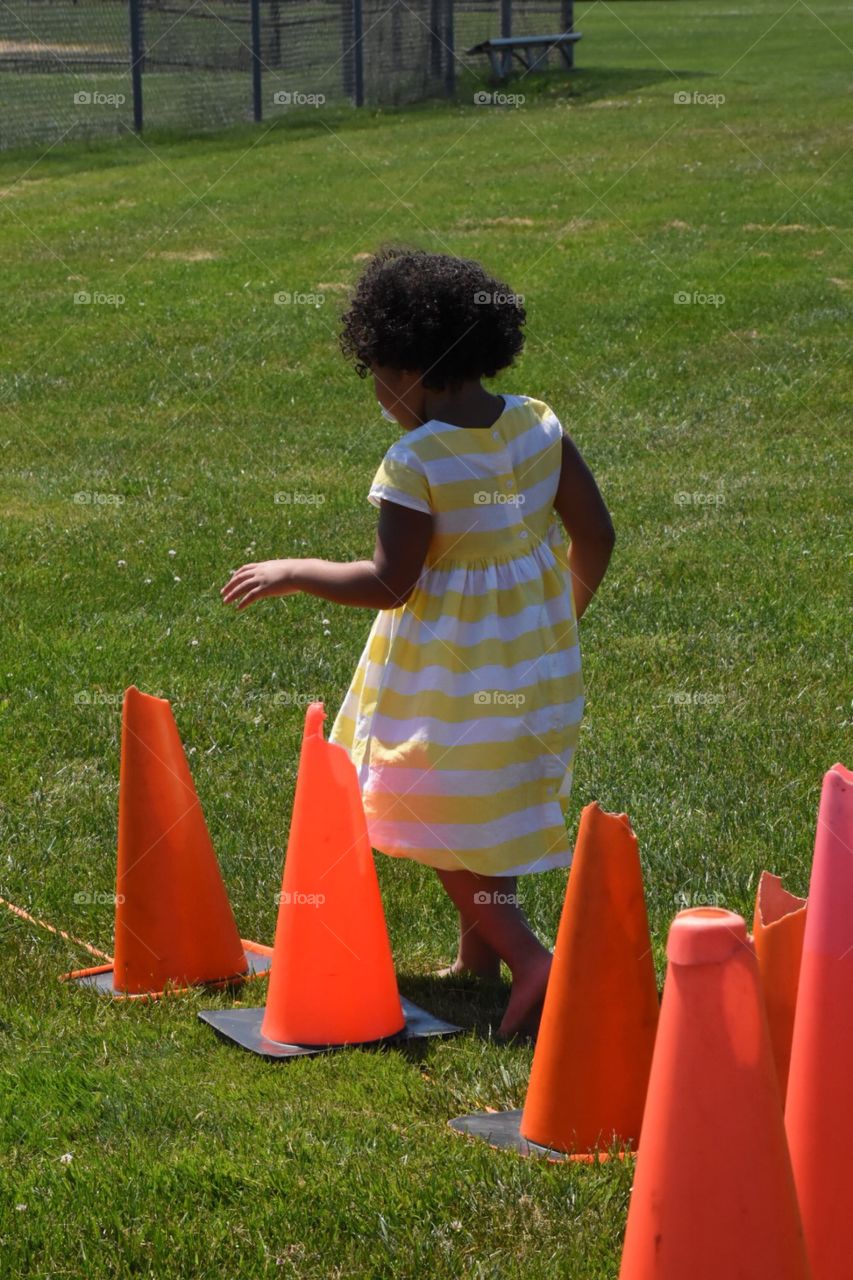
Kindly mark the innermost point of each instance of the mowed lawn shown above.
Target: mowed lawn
(144, 444)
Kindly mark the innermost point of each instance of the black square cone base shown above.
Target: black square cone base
(502, 1130)
(243, 1027)
(100, 979)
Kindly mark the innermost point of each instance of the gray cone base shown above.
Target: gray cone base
(501, 1129)
(243, 1027)
(102, 979)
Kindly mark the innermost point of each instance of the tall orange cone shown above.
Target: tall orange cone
(713, 1195)
(332, 981)
(818, 1114)
(174, 926)
(596, 1035)
(778, 927)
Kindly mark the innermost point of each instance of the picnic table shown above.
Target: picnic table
(502, 49)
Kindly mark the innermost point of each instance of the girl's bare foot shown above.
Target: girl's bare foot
(490, 973)
(525, 1002)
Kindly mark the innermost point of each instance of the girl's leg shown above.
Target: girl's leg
(475, 955)
(490, 903)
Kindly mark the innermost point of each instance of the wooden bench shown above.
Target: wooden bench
(502, 49)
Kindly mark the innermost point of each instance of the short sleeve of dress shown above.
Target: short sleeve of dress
(553, 424)
(401, 478)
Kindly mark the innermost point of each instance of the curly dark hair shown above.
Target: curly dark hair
(441, 315)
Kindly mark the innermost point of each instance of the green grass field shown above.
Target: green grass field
(143, 445)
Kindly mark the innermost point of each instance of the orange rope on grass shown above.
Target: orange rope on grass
(42, 924)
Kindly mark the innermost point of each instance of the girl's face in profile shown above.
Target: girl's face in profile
(400, 393)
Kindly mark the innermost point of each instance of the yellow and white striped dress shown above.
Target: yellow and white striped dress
(462, 717)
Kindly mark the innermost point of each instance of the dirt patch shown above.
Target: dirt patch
(676, 225)
(37, 46)
(785, 227)
(21, 187)
(503, 221)
(187, 255)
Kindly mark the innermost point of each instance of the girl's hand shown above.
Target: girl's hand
(254, 581)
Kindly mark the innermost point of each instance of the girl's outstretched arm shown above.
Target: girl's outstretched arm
(587, 521)
(385, 582)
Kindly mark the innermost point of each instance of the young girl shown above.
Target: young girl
(462, 717)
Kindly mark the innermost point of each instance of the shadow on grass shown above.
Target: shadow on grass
(473, 1005)
(578, 87)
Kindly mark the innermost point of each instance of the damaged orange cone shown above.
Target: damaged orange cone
(778, 927)
(596, 1037)
(332, 981)
(173, 926)
(818, 1115)
(713, 1193)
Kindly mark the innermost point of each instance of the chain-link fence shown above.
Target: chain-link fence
(77, 68)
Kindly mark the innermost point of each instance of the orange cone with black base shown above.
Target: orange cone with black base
(597, 1032)
(818, 1112)
(333, 979)
(713, 1195)
(778, 927)
(594, 1049)
(174, 926)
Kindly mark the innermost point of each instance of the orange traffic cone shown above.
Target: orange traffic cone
(780, 920)
(173, 925)
(596, 1036)
(713, 1193)
(818, 1115)
(332, 981)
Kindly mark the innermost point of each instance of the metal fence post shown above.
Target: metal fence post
(450, 51)
(257, 107)
(136, 55)
(358, 53)
(567, 17)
